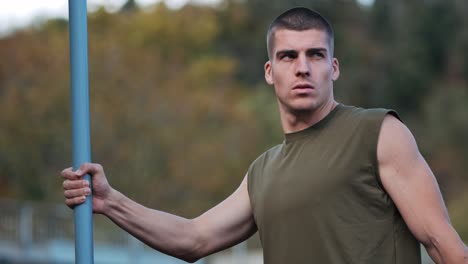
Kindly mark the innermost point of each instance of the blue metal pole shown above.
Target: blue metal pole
(80, 124)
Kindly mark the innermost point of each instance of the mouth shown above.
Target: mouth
(303, 86)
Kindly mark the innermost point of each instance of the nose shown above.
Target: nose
(302, 67)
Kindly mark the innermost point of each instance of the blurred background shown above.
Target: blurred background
(179, 106)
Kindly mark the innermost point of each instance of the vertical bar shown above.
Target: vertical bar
(80, 124)
(26, 231)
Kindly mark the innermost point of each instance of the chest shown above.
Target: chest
(310, 177)
(305, 176)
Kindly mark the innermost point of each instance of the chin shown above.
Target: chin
(302, 109)
(305, 106)
(302, 105)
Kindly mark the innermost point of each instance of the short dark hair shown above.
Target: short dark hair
(299, 18)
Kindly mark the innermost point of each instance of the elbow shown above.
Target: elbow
(191, 253)
(450, 251)
(190, 259)
(193, 248)
(187, 252)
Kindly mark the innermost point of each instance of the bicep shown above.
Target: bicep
(228, 223)
(410, 182)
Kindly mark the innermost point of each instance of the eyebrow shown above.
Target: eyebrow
(314, 50)
(285, 52)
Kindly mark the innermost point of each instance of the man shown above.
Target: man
(347, 185)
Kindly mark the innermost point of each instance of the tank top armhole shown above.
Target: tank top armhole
(249, 182)
(378, 126)
(252, 178)
(250, 191)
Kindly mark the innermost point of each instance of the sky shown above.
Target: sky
(18, 13)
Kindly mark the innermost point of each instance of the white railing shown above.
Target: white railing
(32, 232)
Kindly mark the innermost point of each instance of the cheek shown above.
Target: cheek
(326, 73)
(281, 73)
(277, 79)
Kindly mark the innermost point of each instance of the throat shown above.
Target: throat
(293, 121)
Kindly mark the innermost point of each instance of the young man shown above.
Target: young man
(347, 185)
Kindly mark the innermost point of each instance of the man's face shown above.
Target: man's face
(302, 70)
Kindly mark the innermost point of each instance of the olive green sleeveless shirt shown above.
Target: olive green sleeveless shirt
(317, 197)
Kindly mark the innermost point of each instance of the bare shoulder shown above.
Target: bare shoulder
(396, 142)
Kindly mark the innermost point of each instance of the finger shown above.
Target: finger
(91, 168)
(67, 169)
(75, 201)
(75, 184)
(70, 174)
(69, 194)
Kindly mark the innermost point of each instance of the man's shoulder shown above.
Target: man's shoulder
(368, 114)
(258, 165)
(268, 155)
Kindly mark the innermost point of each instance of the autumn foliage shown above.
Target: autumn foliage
(179, 106)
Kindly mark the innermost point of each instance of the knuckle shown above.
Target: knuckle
(66, 170)
(67, 194)
(68, 175)
(84, 183)
(64, 174)
(84, 166)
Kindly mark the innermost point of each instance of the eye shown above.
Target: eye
(318, 55)
(287, 56)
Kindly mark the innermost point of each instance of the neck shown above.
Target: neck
(293, 121)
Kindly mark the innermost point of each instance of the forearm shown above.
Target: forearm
(164, 232)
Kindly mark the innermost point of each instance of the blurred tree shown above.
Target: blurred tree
(180, 108)
(129, 6)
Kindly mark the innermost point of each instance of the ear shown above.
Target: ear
(336, 69)
(268, 73)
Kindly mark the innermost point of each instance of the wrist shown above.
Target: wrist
(111, 202)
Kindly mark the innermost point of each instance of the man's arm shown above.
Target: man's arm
(413, 188)
(225, 225)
